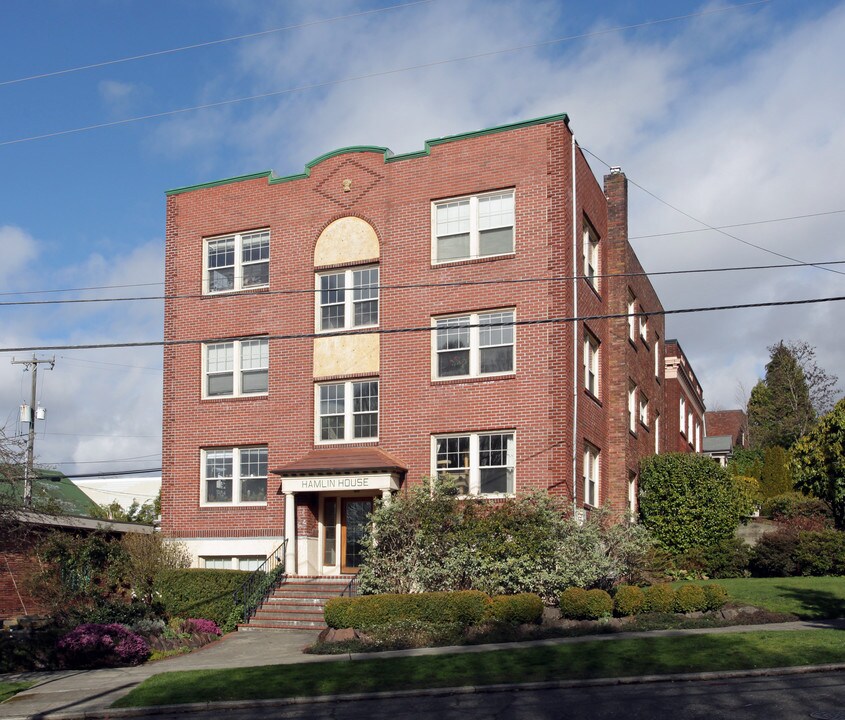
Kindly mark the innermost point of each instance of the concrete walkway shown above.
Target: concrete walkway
(88, 693)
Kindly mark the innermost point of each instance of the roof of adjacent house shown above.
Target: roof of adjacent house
(54, 492)
(335, 461)
(718, 443)
(727, 422)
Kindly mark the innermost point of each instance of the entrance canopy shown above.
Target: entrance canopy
(342, 469)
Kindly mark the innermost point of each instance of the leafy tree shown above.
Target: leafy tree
(821, 385)
(746, 462)
(780, 409)
(148, 555)
(136, 512)
(689, 501)
(818, 462)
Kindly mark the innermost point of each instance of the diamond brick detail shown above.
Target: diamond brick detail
(353, 174)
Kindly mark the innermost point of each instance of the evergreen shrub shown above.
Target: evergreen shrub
(579, 604)
(628, 600)
(202, 593)
(715, 596)
(466, 607)
(516, 609)
(690, 598)
(659, 598)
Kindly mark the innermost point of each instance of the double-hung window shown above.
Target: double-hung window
(632, 309)
(591, 363)
(478, 463)
(235, 368)
(683, 418)
(643, 410)
(472, 227)
(643, 326)
(632, 407)
(347, 411)
(474, 345)
(234, 476)
(591, 475)
(591, 256)
(348, 299)
(237, 262)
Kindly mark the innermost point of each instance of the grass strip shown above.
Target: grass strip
(7, 689)
(810, 598)
(614, 658)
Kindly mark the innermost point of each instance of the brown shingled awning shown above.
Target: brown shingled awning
(340, 460)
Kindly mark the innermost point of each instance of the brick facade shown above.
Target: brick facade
(394, 196)
(682, 386)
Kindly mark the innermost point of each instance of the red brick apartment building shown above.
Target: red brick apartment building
(344, 333)
(684, 403)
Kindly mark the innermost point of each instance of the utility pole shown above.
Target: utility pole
(31, 416)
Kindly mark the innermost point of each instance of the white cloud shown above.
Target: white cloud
(19, 249)
(731, 117)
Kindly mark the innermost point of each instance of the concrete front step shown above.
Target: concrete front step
(298, 603)
(282, 625)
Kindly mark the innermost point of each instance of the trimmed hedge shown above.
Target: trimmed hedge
(690, 598)
(516, 609)
(465, 607)
(659, 598)
(199, 593)
(579, 604)
(629, 600)
(715, 596)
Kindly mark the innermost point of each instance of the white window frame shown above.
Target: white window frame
(349, 412)
(683, 407)
(474, 469)
(643, 409)
(592, 268)
(237, 369)
(236, 477)
(697, 436)
(238, 267)
(657, 433)
(474, 320)
(592, 475)
(657, 373)
(632, 407)
(632, 497)
(690, 430)
(632, 309)
(236, 562)
(349, 300)
(592, 350)
(643, 326)
(474, 229)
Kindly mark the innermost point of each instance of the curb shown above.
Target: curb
(187, 708)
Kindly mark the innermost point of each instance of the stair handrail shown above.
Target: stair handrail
(351, 588)
(261, 582)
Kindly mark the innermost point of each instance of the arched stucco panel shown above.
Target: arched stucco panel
(346, 240)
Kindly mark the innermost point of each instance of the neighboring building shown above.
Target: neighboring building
(684, 403)
(59, 505)
(727, 430)
(122, 490)
(338, 335)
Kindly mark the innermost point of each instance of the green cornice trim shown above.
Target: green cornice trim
(388, 155)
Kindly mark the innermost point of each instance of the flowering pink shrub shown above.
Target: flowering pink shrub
(91, 645)
(201, 625)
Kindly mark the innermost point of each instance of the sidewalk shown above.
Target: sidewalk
(89, 693)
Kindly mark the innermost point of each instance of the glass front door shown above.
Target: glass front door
(354, 518)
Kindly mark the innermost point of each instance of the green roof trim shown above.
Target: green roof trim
(52, 487)
(273, 179)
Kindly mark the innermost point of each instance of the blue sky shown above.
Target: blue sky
(731, 116)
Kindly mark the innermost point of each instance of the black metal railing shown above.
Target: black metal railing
(261, 582)
(351, 589)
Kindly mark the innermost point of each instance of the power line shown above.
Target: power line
(100, 462)
(427, 328)
(420, 286)
(377, 74)
(120, 365)
(711, 227)
(95, 287)
(735, 225)
(98, 436)
(113, 474)
(195, 46)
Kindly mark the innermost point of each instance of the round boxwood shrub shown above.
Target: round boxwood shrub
(580, 604)
(629, 600)
(92, 646)
(715, 596)
(516, 609)
(690, 598)
(659, 598)
(465, 607)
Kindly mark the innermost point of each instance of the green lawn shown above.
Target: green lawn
(7, 689)
(612, 658)
(810, 598)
